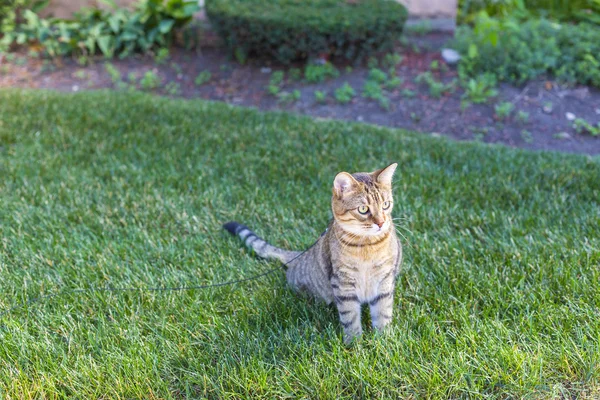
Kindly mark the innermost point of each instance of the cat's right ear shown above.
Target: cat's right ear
(343, 183)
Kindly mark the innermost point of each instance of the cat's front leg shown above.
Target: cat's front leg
(382, 304)
(348, 306)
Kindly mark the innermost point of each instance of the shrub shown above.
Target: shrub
(530, 49)
(298, 29)
(114, 32)
(345, 93)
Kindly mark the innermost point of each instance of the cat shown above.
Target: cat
(356, 260)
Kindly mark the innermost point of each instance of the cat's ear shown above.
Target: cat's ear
(385, 175)
(343, 183)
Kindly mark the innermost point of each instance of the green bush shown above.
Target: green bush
(114, 32)
(555, 9)
(298, 29)
(530, 49)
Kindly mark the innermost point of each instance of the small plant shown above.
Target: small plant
(177, 68)
(113, 72)
(132, 77)
(523, 117)
(394, 82)
(286, 97)
(349, 69)
(202, 78)
(150, 81)
(295, 74)
(372, 90)
(161, 56)
(479, 90)
(275, 83)
(392, 60)
(435, 65)
(416, 118)
(377, 75)
(80, 74)
(320, 96)
(173, 88)
(408, 93)
(526, 136)
(240, 56)
(582, 126)
(503, 110)
(345, 93)
(436, 88)
(316, 73)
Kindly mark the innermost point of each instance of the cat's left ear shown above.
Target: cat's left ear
(385, 175)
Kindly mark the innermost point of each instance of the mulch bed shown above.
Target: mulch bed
(545, 101)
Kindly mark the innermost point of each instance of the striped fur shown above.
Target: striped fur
(356, 261)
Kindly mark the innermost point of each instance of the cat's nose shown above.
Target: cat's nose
(379, 224)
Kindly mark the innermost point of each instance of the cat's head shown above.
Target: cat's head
(362, 202)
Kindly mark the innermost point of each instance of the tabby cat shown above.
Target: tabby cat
(356, 260)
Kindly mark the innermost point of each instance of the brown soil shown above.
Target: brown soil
(546, 102)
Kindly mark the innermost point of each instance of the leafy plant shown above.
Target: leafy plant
(289, 97)
(582, 126)
(392, 60)
(377, 75)
(162, 55)
(290, 30)
(522, 116)
(316, 73)
(526, 136)
(202, 78)
(394, 82)
(530, 49)
(372, 90)
(150, 81)
(436, 88)
(173, 88)
(110, 32)
(408, 93)
(479, 89)
(345, 93)
(275, 83)
(503, 109)
(320, 96)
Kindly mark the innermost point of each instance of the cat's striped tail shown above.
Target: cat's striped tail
(260, 246)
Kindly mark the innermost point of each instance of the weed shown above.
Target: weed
(275, 83)
(150, 81)
(173, 88)
(408, 93)
(161, 56)
(345, 93)
(372, 90)
(436, 88)
(503, 110)
(582, 126)
(526, 136)
(522, 116)
(392, 60)
(320, 96)
(377, 75)
(372, 62)
(287, 97)
(479, 90)
(202, 78)
(316, 73)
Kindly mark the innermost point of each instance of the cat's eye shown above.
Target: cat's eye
(386, 205)
(363, 209)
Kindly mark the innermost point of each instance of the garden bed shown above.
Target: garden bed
(538, 120)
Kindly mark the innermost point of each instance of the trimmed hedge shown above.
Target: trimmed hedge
(289, 30)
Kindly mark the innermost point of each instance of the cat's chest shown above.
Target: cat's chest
(368, 277)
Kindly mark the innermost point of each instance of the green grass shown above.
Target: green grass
(498, 297)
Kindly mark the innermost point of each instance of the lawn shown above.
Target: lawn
(499, 294)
